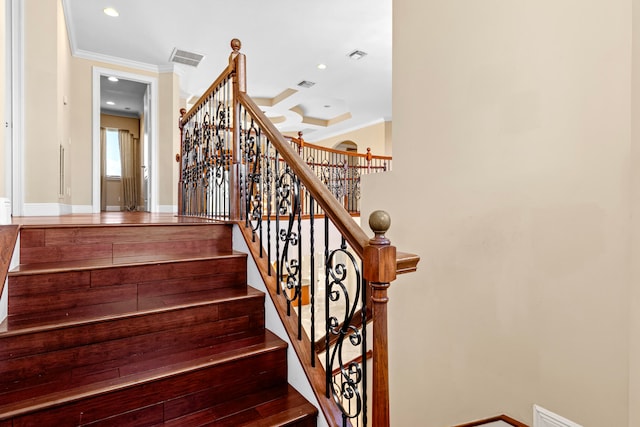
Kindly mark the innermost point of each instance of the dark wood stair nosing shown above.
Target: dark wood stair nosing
(68, 266)
(251, 293)
(10, 410)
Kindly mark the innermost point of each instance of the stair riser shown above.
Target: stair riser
(62, 244)
(223, 382)
(133, 286)
(116, 348)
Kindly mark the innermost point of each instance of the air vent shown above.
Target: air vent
(357, 54)
(306, 83)
(188, 58)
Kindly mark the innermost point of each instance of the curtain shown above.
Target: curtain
(129, 166)
(103, 169)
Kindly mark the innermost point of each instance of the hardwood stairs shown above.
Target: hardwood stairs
(140, 325)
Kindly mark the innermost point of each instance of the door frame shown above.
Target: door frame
(153, 139)
(14, 105)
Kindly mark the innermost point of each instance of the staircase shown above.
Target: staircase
(140, 325)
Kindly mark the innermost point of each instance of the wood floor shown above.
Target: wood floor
(105, 218)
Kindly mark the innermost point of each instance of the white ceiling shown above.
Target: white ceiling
(284, 41)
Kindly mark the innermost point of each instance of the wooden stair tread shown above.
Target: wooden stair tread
(129, 324)
(233, 351)
(267, 408)
(20, 325)
(82, 265)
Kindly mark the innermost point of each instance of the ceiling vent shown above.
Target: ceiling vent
(188, 58)
(306, 83)
(357, 54)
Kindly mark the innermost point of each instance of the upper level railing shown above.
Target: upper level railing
(326, 277)
(340, 171)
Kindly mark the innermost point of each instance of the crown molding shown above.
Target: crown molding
(114, 60)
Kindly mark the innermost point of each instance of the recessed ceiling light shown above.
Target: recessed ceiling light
(111, 103)
(112, 79)
(109, 11)
(322, 66)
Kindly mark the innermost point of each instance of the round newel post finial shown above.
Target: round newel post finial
(380, 222)
(236, 45)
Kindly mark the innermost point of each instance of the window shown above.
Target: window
(113, 154)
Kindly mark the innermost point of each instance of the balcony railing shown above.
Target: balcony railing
(328, 280)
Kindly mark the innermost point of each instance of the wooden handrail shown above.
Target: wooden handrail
(380, 262)
(351, 231)
(333, 150)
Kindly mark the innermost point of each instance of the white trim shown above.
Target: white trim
(65, 209)
(7, 99)
(81, 209)
(111, 208)
(545, 418)
(71, 33)
(46, 209)
(17, 108)
(114, 60)
(168, 209)
(153, 167)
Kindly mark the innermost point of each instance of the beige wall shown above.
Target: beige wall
(169, 143)
(373, 136)
(634, 289)
(514, 118)
(42, 101)
(131, 124)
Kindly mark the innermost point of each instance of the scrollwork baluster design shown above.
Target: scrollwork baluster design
(288, 201)
(250, 142)
(349, 392)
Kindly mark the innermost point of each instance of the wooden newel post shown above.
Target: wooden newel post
(380, 271)
(237, 65)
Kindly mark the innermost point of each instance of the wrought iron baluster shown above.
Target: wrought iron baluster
(327, 364)
(349, 397)
(312, 280)
(269, 177)
(278, 269)
(288, 190)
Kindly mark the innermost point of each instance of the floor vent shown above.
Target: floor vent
(545, 418)
(184, 57)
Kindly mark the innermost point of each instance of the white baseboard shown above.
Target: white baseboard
(545, 418)
(168, 209)
(43, 209)
(81, 209)
(113, 208)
